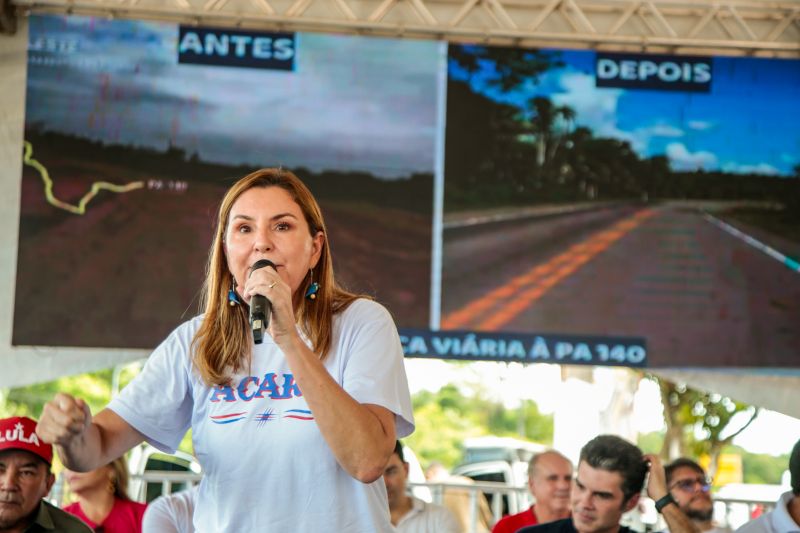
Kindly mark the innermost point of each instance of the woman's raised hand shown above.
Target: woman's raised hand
(64, 418)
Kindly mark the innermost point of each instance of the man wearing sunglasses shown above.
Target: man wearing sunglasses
(689, 487)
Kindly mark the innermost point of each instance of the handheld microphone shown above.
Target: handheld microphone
(260, 306)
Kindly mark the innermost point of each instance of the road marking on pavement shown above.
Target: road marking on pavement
(793, 264)
(522, 291)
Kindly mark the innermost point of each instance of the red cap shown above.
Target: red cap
(19, 433)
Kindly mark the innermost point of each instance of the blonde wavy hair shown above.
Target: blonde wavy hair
(119, 480)
(223, 344)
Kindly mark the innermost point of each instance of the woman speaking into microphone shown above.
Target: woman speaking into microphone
(293, 433)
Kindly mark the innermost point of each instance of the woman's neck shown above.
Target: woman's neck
(96, 504)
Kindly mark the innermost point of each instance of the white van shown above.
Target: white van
(502, 460)
(145, 460)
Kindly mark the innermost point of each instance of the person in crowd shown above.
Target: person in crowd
(689, 486)
(293, 433)
(471, 515)
(610, 477)
(171, 513)
(549, 481)
(25, 480)
(410, 514)
(103, 500)
(785, 517)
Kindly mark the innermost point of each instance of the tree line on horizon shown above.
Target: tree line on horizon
(411, 193)
(499, 154)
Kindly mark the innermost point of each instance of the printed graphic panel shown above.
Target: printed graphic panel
(130, 144)
(652, 199)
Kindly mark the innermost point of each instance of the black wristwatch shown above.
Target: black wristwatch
(664, 501)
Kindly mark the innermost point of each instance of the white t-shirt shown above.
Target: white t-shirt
(776, 521)
(427, 518)
(266, 465)
(171, 513)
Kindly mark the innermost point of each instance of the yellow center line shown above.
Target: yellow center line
(96, 187)
(522, 291)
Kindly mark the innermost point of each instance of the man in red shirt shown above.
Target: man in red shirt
(550, 482)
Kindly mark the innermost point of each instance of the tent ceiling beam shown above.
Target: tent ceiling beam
(728, 27)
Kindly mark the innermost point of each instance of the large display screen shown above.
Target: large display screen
(644, 196)
(129, 147)
(595, 208)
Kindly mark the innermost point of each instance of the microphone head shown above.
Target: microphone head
(261, 263)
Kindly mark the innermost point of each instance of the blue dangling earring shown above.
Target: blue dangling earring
(311, 293)
(233, 298)
(313, 289)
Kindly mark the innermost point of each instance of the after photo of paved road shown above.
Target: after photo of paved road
(575, 208)
(671, 272)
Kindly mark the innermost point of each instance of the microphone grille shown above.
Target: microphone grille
(261, 263)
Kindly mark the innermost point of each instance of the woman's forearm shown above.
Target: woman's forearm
(361, 436)
(84, 442)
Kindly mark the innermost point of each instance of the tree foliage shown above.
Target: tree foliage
(699, 422)
(508, 143)
(94, 388)
(446, 417)
(503, 69)
(761, 468)
(650, 442)
(758, 468)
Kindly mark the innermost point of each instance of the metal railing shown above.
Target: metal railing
(167, 479)
(731, 512)
(494, 492)
(734, 512)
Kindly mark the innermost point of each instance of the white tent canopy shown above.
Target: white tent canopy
(723, 27)
(777, 392)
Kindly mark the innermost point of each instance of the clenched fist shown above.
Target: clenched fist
(63, 420)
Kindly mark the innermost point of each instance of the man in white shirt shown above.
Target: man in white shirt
(410, 514)
(785, 518)
(171, 513)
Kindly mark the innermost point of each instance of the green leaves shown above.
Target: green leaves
(700, 423)
(447, 417)
(94, 387)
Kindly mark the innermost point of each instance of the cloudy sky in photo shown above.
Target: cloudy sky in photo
(748, 122)
(352, 103)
